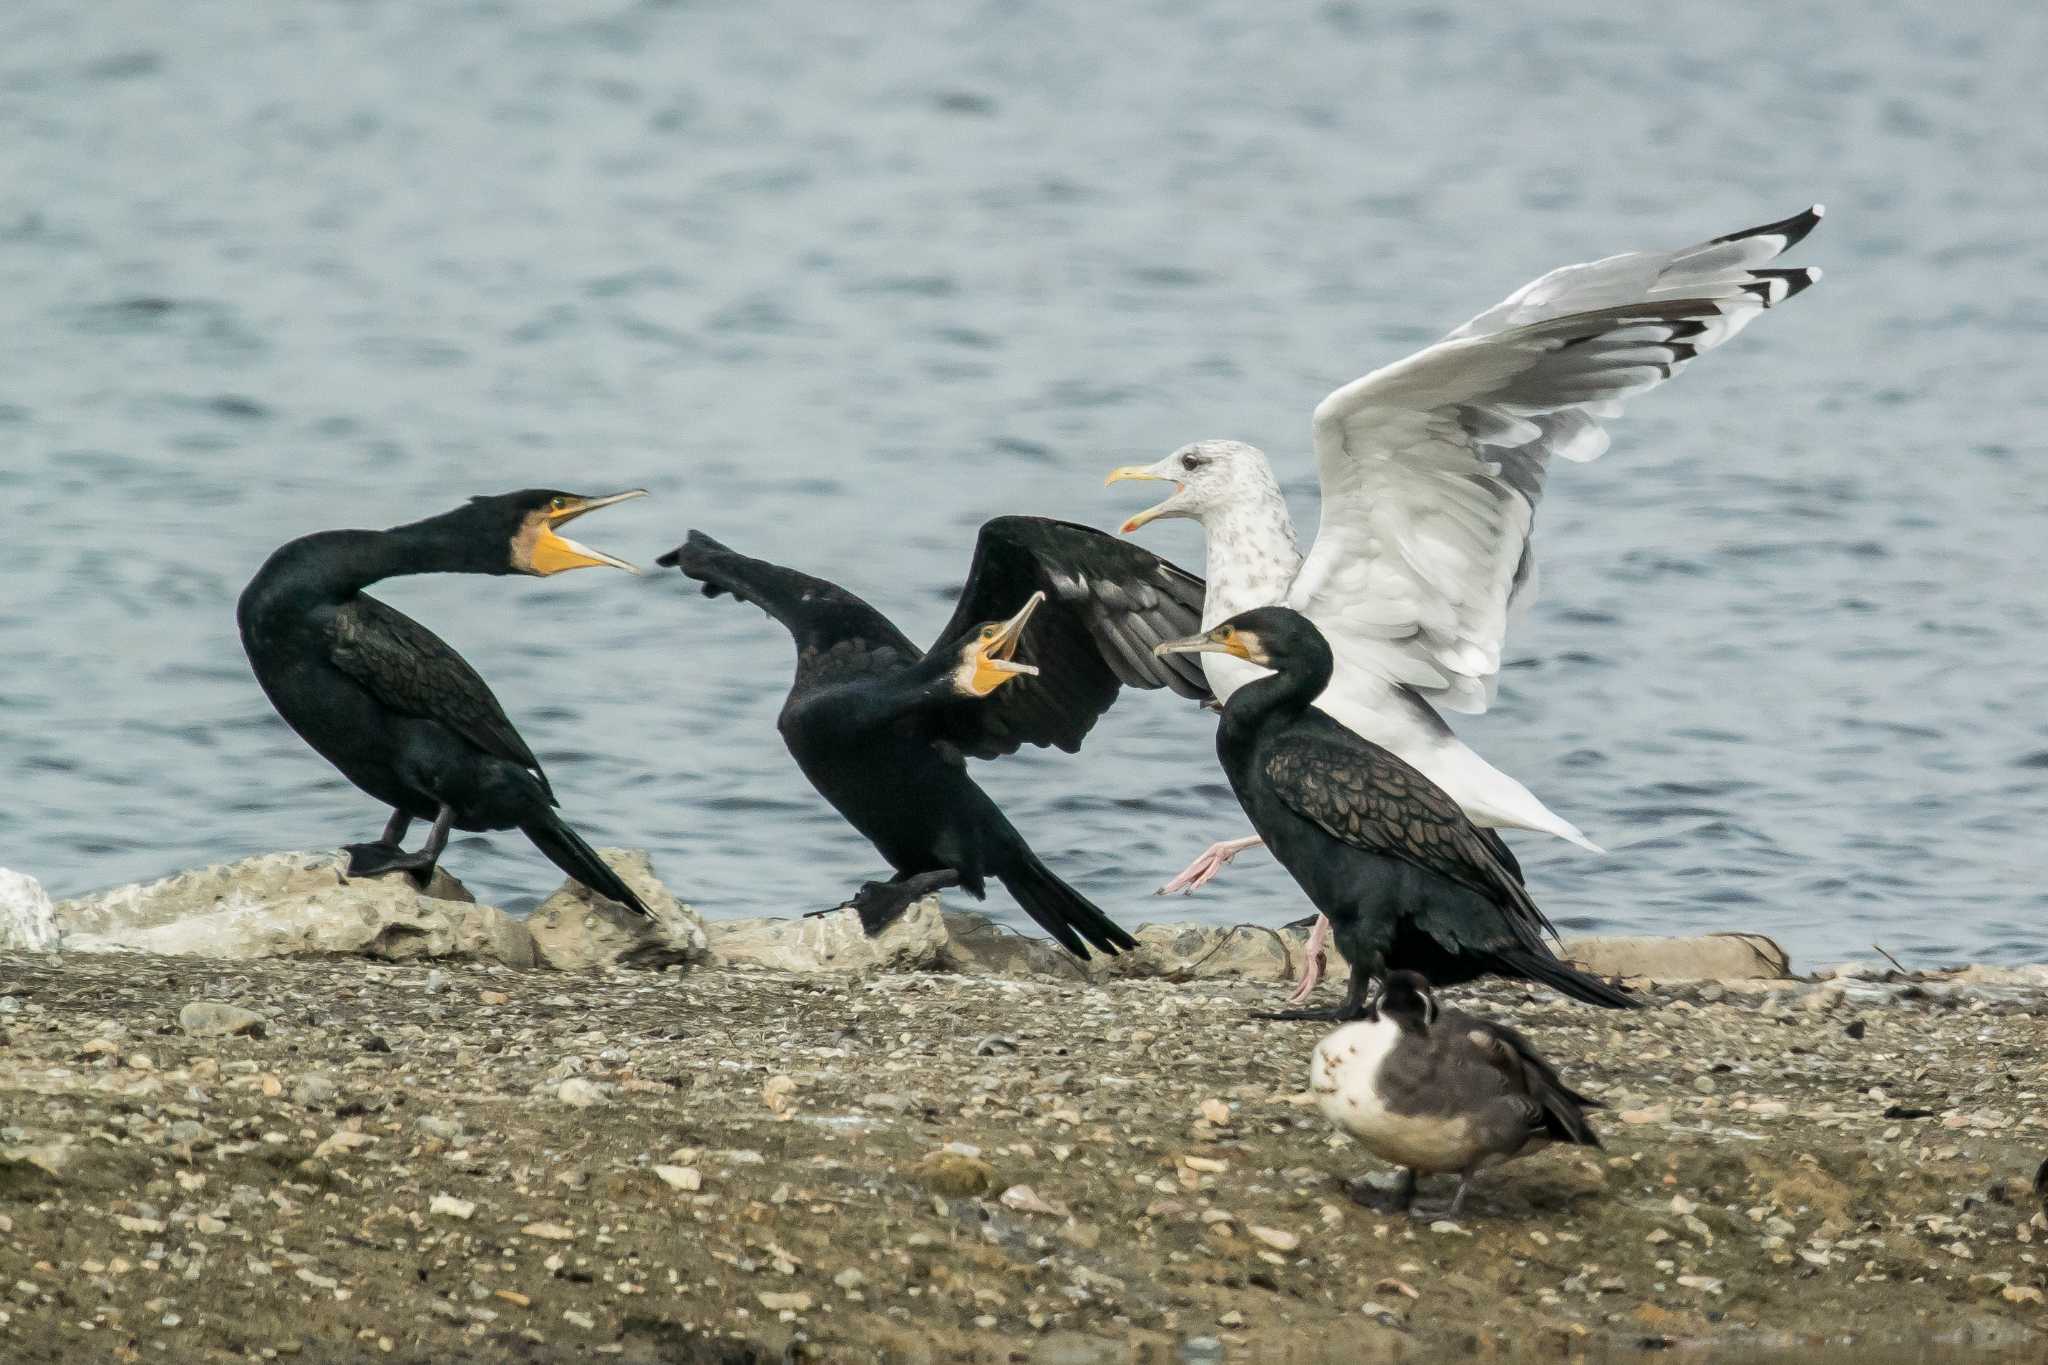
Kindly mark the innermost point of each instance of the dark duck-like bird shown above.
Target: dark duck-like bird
(1054, 618)
(1437, 1091)
(1407, 880)
(390, 704)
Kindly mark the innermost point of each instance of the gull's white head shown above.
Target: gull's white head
(1209, 477)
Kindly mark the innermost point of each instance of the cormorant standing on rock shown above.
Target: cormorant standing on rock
(1054, 618)
(1407, 880)
(390, 704)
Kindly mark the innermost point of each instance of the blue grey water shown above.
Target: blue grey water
(838, 282)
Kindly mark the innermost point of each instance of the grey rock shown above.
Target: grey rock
(978, 946)
(1708, 957)
(292, 905)
(835, 942)
(28, 922)
(215, 1019)
(314, 1091)
(577, 930)
(1183, 951)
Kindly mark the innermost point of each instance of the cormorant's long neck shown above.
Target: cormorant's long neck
(337, 564)
(1281, 696)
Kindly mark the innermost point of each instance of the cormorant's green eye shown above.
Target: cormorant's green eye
(558, 503)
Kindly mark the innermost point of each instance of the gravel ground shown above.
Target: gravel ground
(468, 1162)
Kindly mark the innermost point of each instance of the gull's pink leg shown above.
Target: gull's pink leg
(1312, 969)
(1198, 873)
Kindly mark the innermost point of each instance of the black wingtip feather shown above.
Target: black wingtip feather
(1793, 229)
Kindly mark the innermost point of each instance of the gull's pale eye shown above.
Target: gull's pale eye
(1190, 463)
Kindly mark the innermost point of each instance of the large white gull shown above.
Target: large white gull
(1431, 469)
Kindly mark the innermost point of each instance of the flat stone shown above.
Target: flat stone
(449, 1206)
(835, 942)
(215, 1019)
(579, 1093)
(28, 922)
(577, 930)
(1708, 957)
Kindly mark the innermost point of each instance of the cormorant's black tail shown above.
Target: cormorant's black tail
(565, 849)
(1059, 909)
(1539, 965)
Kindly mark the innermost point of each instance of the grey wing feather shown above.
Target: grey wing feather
(1432, 467)
(1556, 1110)
(416, 673)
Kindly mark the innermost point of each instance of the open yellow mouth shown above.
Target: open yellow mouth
(555, 553)
(1138, 471)
(994, 661)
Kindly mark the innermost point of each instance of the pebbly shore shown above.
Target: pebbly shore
(981, 1158)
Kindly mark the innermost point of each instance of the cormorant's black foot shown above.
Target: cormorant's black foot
(881, 904)
(375, 860)
(1342, 1013)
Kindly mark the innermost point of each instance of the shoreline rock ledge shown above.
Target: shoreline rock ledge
(301, 904)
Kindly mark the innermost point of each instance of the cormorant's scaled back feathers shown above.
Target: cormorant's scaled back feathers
(1365, 796)
(416, 673)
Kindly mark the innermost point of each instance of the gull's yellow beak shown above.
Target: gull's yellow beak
(1222, 640)
(552, 552)
(1139, 471)
(993, 651)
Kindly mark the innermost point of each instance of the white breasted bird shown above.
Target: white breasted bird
(1439, 1091)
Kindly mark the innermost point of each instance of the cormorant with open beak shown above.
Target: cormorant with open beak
(390, 704)
(1406, 878)
(882, 728)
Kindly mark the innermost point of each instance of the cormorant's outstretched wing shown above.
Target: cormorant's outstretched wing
(417, 673)
(1431, 467)
(1108, 602)
(838, 636)
(1364, 796)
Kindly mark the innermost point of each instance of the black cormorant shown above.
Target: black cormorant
(1436, 1090)
(1053, 619)
(1406, 878)
(389, 703)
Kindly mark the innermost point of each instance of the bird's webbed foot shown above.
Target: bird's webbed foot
(1204, 868)
(1312, 961)
(1433, 1212)
(881, 904)
(379, 859)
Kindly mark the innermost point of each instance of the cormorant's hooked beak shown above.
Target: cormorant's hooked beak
(1222, 640)
(993, 661)
(1142, 471)
(555, 553)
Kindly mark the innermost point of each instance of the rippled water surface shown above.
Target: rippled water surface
(837, 283)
